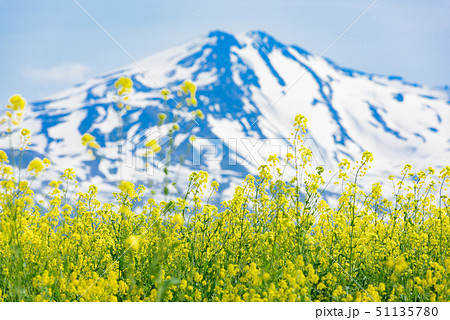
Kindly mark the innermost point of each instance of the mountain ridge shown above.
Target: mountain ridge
(240, 79)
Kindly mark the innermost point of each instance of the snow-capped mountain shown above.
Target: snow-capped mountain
(250, 87)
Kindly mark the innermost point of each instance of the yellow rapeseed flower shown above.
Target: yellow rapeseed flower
(124, 85)
(17, 102)
(153, 146)
(132, 242)
(165, 93)
(188, 87)
(46, 162)
(3, 156)
(126, 187)
(23, 185)
(400, 265)
(94, 145)
(367, 156)
(25, 132)
(36, 166)
(200, 113)
(86, 138)
(178, 219)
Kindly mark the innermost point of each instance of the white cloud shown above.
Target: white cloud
(67, 73)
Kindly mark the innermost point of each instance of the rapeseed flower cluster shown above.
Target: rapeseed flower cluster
(124, 85)
(88, 140)
(37, 165)
(188, 90)
(153, 146)
(14, 115)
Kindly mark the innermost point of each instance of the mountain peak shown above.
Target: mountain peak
(222, 40)
(259, 34)
(221, 35)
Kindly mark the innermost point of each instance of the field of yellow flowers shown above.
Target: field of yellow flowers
(276, 239)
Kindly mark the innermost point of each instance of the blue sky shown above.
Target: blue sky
(48, 45)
